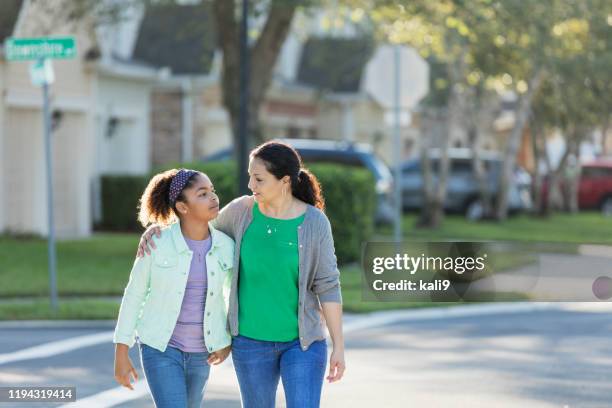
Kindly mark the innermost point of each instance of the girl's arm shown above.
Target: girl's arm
(131, 305)
(133, 299)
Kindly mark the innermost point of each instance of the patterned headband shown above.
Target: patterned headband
(178, 183)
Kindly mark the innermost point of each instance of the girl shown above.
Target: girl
(288, 275)
(176, 300)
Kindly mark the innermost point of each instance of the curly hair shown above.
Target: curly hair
(154, 205)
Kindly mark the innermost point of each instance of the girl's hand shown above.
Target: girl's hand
(147, 239)
(219, 356)
(336, 365)
(123, 370)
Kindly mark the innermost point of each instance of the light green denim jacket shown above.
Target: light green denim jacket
(154, 294)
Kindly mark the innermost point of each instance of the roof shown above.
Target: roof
(9, 12)
(181, 37)
(335, 64)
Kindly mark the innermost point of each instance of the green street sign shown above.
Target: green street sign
(21, 49)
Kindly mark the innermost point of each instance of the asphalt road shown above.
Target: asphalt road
(546, 357)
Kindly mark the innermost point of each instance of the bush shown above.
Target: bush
(349, 194)
(350, 201)
(120, 195)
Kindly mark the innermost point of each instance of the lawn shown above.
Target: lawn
(96, 267)
(584, 227)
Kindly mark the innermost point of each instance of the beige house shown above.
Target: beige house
(141, 94)
(100, 110)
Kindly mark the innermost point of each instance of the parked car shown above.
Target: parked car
(350, 154)
(462, 192)
(594, 188)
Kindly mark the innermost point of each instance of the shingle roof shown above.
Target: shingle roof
(181, 37)
(335, 64)
(9, 11)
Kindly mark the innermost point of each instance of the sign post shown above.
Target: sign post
(41, 51)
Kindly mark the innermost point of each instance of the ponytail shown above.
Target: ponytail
(283, 160)
(308, 189)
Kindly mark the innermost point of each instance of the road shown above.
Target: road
(523, 355)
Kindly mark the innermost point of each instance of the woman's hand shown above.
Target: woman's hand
(336, 365)
(146, 239)
(123, 367)
(219, 356)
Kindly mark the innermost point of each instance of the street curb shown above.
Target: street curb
(354, 321)
(58, 324)
(378, 319)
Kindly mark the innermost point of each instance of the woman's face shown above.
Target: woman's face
(264, 185)
(201, 201)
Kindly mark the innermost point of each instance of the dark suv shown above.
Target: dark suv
(462, 193)
(339, 152)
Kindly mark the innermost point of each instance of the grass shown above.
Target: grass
(100, 266)
(96, 266)
(584, 227)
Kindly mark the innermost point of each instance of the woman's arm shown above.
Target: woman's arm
(225, 222)
(326, 285)
(332, 312)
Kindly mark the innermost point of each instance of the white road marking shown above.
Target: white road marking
(56, 347)
(111, 397)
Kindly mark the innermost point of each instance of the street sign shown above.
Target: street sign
(21, 49)
(41, 51)
(41, 72)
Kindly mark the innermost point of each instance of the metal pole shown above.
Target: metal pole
(51, 238)
(244, 101)
(397, 148)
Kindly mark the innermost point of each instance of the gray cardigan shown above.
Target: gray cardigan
(319, 278)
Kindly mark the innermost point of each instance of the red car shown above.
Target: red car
(595, 188)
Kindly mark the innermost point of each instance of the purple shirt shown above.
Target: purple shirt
(188, 335)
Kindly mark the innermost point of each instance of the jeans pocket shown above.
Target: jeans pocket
(147, 352)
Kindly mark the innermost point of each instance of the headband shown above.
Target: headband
(178, 183)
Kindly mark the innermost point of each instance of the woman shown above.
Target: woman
(288, 274)
(174, 300)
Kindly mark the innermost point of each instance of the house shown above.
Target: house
(100, 110)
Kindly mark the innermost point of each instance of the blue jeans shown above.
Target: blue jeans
(176, 378)
(260, 364)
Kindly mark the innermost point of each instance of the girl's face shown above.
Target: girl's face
(201, 202)
(264, 185)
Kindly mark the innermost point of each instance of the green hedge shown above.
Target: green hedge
(120, 195)
(349, 195)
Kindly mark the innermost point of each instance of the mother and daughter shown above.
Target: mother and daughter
(258, 277)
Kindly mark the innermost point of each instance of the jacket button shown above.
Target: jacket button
(207, 313)
(212, 273)
(208, 332)
(211, 293)
(301, 246)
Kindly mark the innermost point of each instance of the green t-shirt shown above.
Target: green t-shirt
(268, 293)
